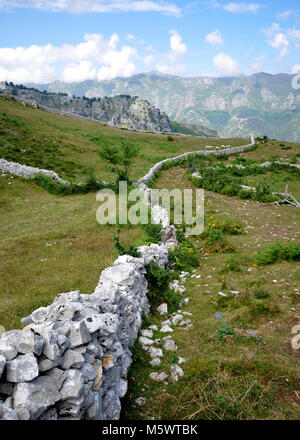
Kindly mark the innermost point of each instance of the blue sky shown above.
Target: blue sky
(74, 40)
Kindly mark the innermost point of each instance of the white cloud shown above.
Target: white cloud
(178, 48)
(83, 6)
(282, 39)
(170, 62)
(295, 68)
(214, 38)
(149, 60)
(79, 72)
(238, 8)
(130, 37)
(94, 58)
(294, 35)
(256, 66)
(171, 69)
(284, 15)
(226, 65)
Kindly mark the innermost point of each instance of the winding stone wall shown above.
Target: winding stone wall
(151, 173)
(70, 361)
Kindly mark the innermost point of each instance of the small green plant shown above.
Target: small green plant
(185, 257)
(231, 265)
(278, 252)
(264, 193)
(224, 330)
(212, 235)
(261, 294)
(263, 309)
(158, 285)
(153, 233)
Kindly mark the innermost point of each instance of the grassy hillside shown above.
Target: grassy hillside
(69, 146)
(48, 245)
(241, 366)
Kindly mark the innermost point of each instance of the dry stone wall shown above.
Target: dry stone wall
(70, 360)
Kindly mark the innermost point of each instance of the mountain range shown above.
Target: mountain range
(262, 104)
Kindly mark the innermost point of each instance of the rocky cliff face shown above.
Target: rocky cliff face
(262, 104)
(121, 111)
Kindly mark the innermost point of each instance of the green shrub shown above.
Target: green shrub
(153, 233)
(231, 264)
(185, 257)
(279, 252)
(212, 235)
(158, 285)
(263, 309)
(261, 294)
(58, 188)
(245, 194)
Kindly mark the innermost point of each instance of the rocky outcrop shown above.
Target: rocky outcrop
(122, 111)
(261, 103)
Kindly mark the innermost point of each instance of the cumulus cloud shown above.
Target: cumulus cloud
(238, 8)
(178, 48)
(83, 6)
(282, 39)
(214, 38)
(226, 65)
(169, 62)
(94, 58)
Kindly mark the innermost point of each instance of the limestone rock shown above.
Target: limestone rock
(73, 385)
(145, 342)
(79, 334)
(6, 413)
(156, 253)
(30, 342)
(176, 319)
(155, 362)
(170, 345)
(7, 350)
(155, 352)
(166, 329)
(23, 368)
(159, 377)
(141, 401)
(176, 372)
(147, 333)
(36, 396)
(72, 359)
(57, 376)
(163, 309)
(2, 364)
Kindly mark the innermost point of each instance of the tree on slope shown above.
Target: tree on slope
(119, 159)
